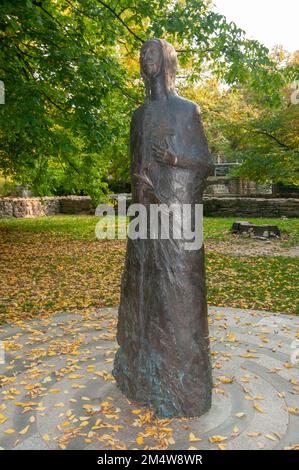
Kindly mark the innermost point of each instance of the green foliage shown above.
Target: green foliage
(269, 147)
(240, 127)
(70, 69)
(5, 186)
(59, 114)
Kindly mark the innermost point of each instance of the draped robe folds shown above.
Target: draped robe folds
(163, 360)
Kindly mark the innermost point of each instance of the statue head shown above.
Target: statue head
(158, 59)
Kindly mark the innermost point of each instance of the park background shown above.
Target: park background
(70, 80)
(71, 75)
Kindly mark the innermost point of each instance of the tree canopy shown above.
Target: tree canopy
(70, 70)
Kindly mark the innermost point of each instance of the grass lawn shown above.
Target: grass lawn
(51, 264)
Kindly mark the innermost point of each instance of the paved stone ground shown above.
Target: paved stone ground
(57, 389)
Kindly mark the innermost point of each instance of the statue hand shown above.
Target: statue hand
(164, 155)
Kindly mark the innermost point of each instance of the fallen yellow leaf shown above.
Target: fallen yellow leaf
(25, 430)
(258, 408)
(226, 380)
(193, 438)
(3, 418)
(217, 439)
(288, 365)
(231, 337)
(293, 410)
(9, 431)
(221, 446)
(269, 436)
(253, 434)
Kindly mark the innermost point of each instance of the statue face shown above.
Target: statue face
(151, 59)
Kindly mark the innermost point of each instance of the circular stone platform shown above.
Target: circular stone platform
(58, 392)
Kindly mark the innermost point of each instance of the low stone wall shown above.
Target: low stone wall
(76, 205)
(221, 186)
(245, 206)
(213, 206)
(37, 206)
(28, 207)
(253, 207)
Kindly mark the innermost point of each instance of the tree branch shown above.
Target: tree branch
(117, 16)
(271, 136)
(30, 70)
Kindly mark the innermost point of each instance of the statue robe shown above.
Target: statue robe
(163, 361)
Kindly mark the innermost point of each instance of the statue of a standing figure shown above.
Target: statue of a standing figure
(163, 360)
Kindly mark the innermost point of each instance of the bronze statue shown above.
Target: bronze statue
(163, 360)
